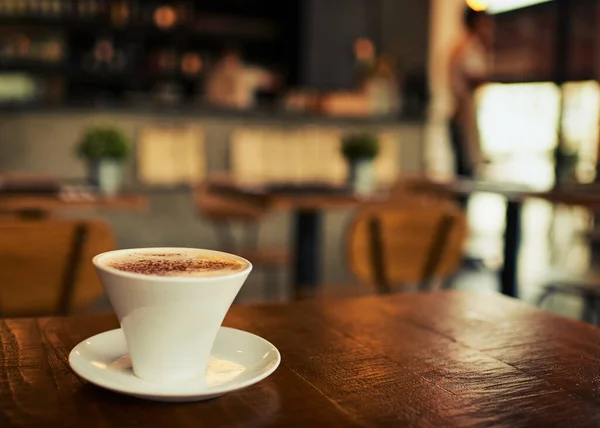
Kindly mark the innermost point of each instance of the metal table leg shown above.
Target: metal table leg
(307, 232)
(512, 239)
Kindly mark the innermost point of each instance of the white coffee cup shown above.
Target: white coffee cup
(170, 322)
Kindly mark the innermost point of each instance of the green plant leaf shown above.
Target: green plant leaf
(104, 142)
(362, 145)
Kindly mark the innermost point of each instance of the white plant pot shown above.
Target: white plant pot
(108, 176)
(361, 176)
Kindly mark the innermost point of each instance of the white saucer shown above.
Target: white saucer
(238, 359)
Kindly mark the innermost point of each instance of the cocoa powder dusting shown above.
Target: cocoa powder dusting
(174, 264)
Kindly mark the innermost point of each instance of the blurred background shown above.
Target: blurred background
(231, 125)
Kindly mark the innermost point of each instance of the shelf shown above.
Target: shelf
(128, 79)
(32, 66)
(205, 26)
(265, 31)
(101, 76)
(536, 79)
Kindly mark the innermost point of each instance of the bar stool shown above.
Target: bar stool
(225, 211)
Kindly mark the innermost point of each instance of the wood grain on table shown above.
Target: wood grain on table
(438, 359)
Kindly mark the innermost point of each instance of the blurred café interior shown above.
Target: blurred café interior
(320, 139)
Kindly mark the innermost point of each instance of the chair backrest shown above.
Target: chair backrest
(407, 242)
(46, 265)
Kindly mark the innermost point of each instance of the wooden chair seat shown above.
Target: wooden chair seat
(577, 287)
(561, 280)
(587, 288)
(267, 257)
(223, 208)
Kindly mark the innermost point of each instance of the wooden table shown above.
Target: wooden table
(24, 203)
(423, 360)
(515, 196)
(307, 208)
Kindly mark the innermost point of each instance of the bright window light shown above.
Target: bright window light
(518, 118)
(477, 5)
(497, 6)
(580, 125)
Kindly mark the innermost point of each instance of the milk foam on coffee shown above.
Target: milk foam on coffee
(180, 263)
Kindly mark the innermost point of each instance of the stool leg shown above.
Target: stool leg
(595, 315)
(587, 314)
(225, 236)
(251, 237)
(271, 284)
(545, 295)
(448, 283)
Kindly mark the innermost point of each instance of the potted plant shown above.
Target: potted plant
(105, 148)
(360, 150)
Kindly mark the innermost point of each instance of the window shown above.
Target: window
(497, 6)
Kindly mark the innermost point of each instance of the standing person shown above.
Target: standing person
(469, 68)
(233, 84)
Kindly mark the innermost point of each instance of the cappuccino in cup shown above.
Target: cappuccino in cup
(188, 263)
(170, 303)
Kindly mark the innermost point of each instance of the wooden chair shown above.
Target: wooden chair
(224, 211)
(46, 265)
(411, 241)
